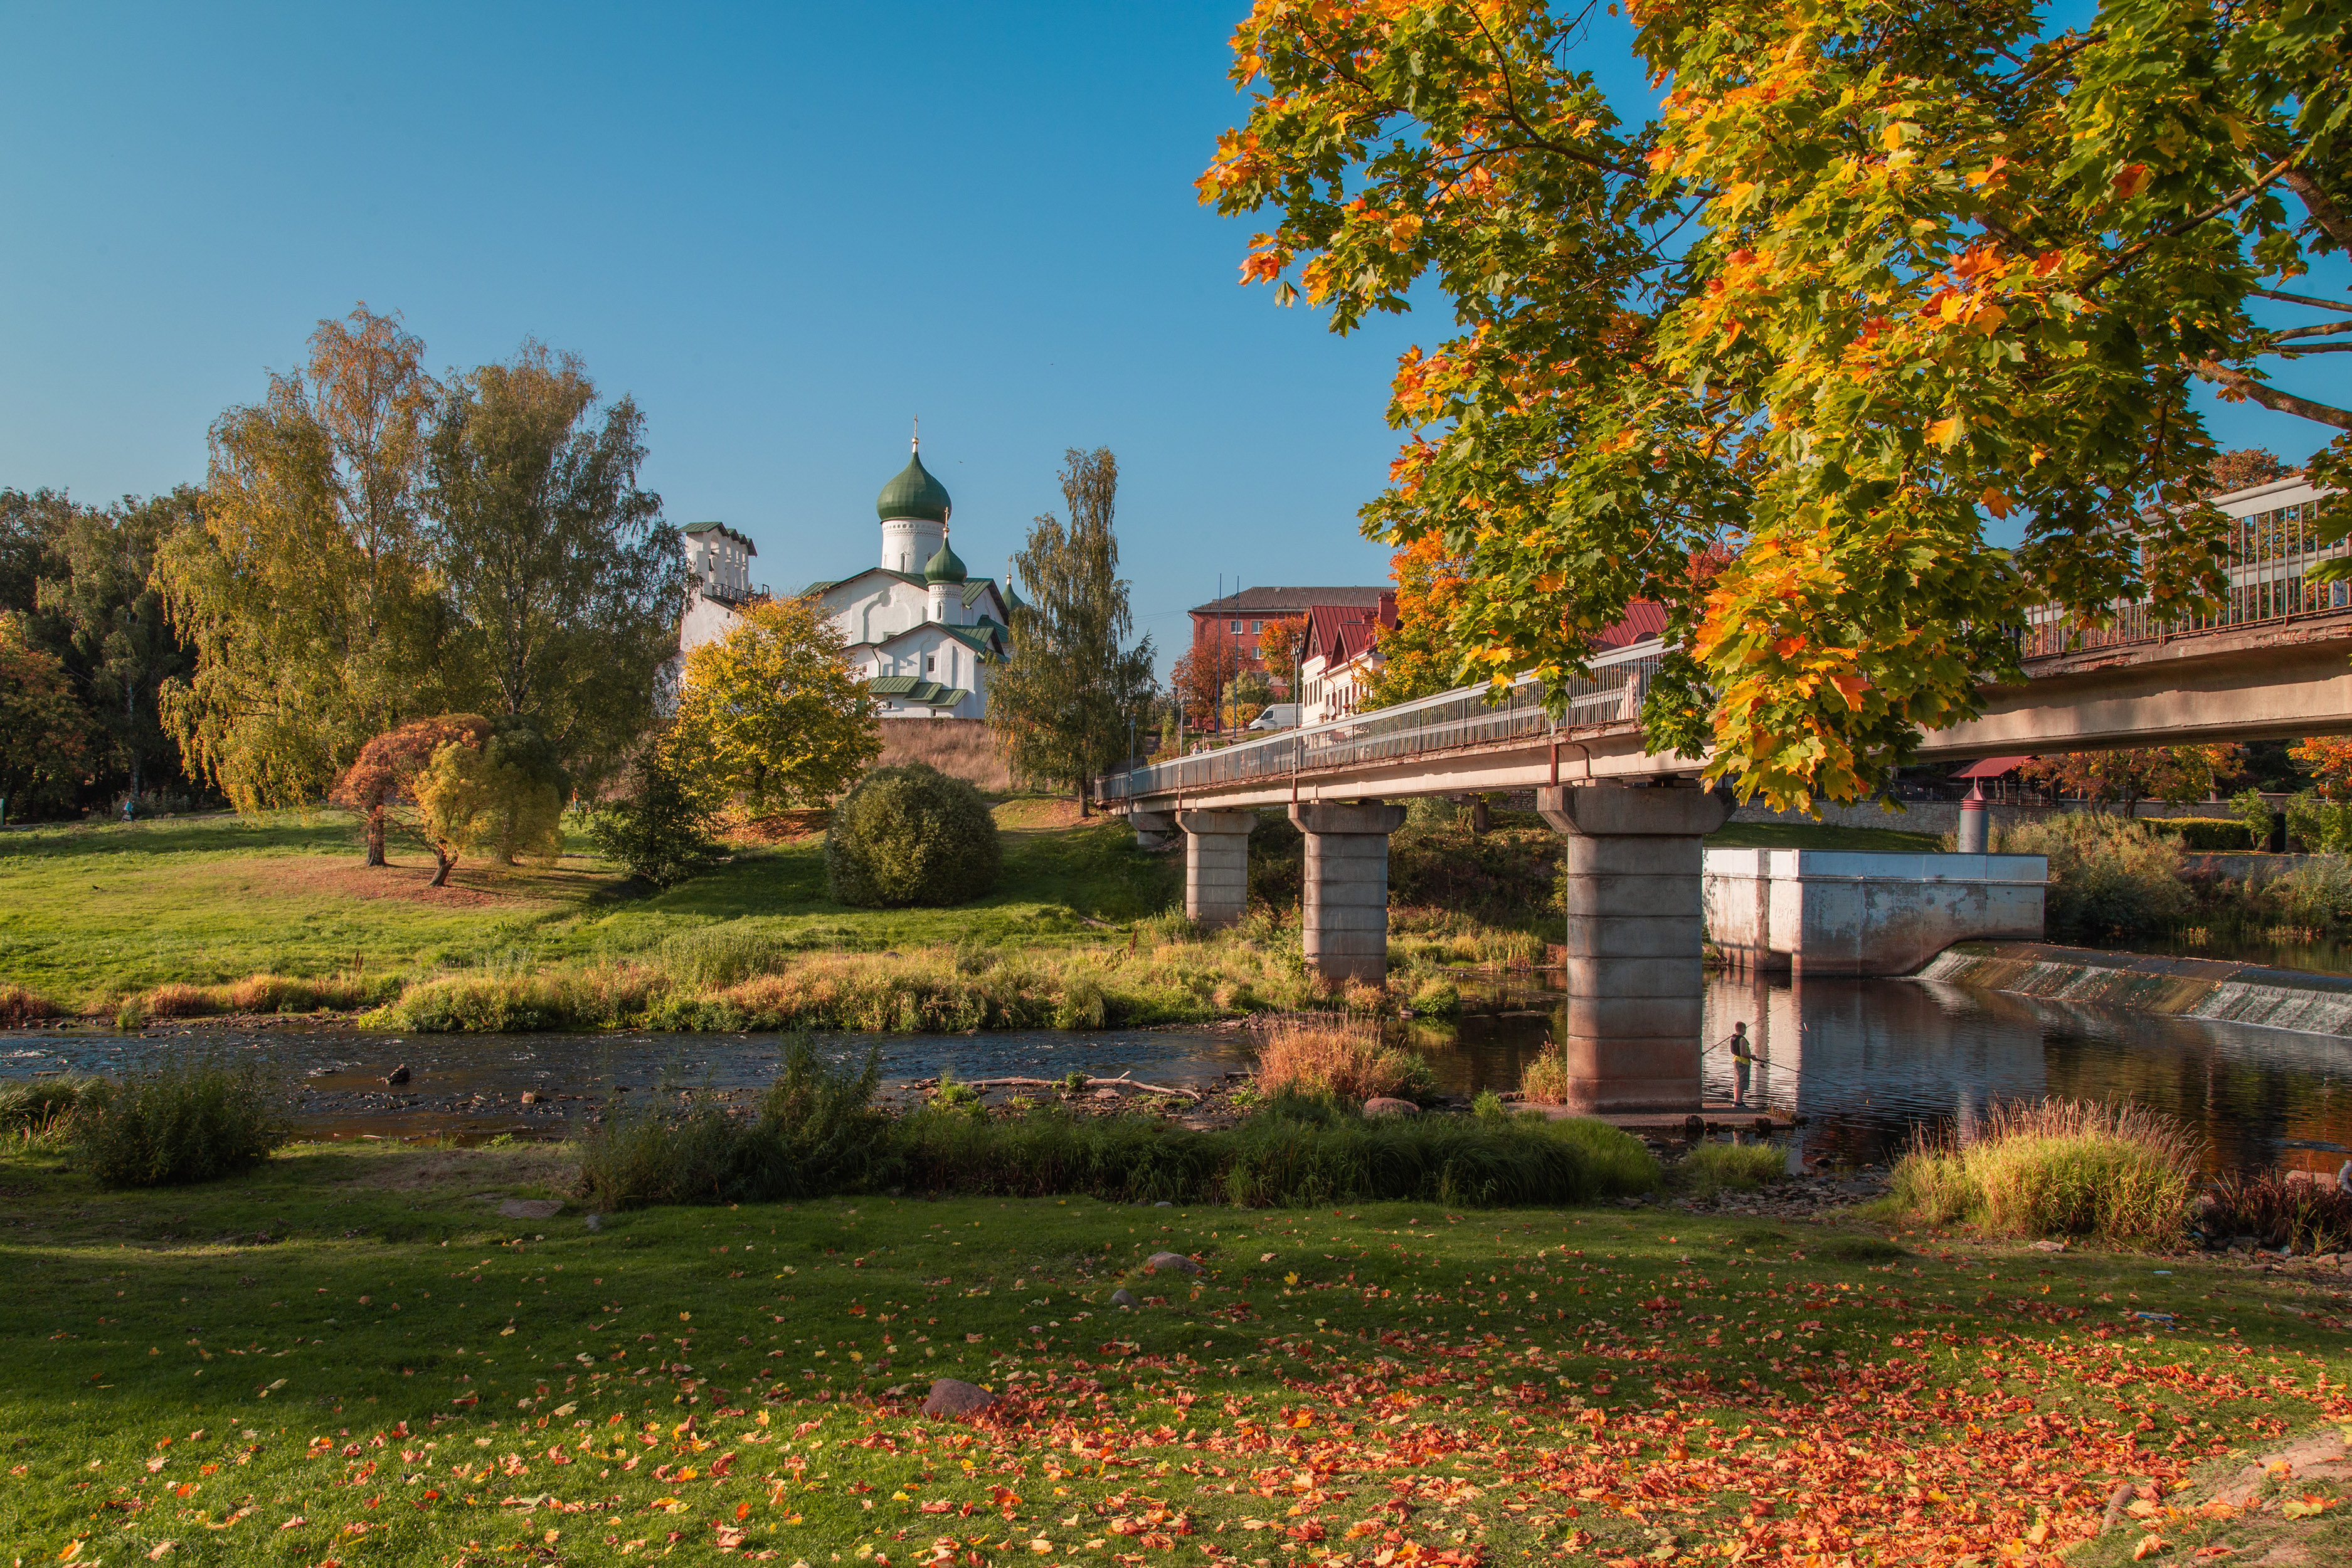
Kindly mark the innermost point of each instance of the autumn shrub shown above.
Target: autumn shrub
(1711, 1168)
(187, 1121)
(265, 994)
(2109, 875)
(1544, 1080)
(2120, 1173)
(911, 835)
(19, 1006)
(1340, 1057)
(2206, 834)
(2316, 894)
(2296, 1214)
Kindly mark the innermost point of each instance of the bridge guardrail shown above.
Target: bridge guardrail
(2266, 559)
(1448, 721)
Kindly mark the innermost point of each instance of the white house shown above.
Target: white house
(925, 632)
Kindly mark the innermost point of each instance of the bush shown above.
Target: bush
(186, 1121)
(2117, 1172)
(2109, 875)
(1742, 1167)
(657, 828)
(2207, 835)
(2320, 827)
(1343, 1057)
(1544, 1080)
(911, 835)
(2316, 894)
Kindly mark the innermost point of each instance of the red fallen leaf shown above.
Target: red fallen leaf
(1305, 1530)
(729, 1539)
(742, 1512)
(720, 1466)
(936, 1505)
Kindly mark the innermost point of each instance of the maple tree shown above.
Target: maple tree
(1865, 279)
(774, 711)
(44, 753)
(1280, 642)
(1202, 675)
(2171, 773)
(2328, 759)
(455, 782)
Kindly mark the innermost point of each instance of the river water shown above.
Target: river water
(1863, 1062)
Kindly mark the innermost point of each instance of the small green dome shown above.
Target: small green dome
(943, 567)
(914, 493)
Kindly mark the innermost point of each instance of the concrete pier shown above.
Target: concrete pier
(1216, 864)
(1635, 981)
(1347, 902)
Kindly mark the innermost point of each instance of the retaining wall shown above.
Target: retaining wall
(1819, 911)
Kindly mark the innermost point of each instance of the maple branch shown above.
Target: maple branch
(2302, 299)
(2331, 328)
(1519, 119)
(2273, 398)
(2321, 206)
(2296, 350)
(2245, 192)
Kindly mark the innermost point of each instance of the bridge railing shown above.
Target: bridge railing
(2268, 556)
(1449, 721)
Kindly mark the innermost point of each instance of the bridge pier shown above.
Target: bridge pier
(1347, 903)
(1216, 865)
(1637, 927)
(1154, 829)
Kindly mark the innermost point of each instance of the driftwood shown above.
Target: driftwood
(1125, 1081)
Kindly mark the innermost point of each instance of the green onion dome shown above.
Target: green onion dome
(914, 493)
(943, 567)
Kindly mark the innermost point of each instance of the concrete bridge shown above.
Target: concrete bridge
(2279, 666)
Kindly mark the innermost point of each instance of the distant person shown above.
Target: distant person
(1743, 1062)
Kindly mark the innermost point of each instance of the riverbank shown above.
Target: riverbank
(2209, 989)
(355, 1354)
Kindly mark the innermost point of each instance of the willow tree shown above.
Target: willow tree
(565, 584)
(1071, 697)
(1870, 274)
(303, 591)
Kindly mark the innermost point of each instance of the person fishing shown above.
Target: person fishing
(1743, 1062)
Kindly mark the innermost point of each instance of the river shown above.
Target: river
(1863, 1062)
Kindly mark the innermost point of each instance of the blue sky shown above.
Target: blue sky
(786, 230)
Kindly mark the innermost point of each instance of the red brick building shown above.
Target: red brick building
(1235, 621)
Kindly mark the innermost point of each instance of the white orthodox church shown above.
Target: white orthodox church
(924, 632)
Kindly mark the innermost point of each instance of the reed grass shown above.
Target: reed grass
(19, 1006)
(961, 748)
(2296, 1214)
(1338, 1057)
(2115, 1173)
(817, 1133)
(1544, 1080)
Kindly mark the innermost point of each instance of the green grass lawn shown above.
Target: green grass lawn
(1821, 835)
(349, 1357)
(96, 911)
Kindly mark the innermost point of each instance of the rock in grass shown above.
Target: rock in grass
(1384, 1105)
(2049, 1247)
(531, 1208)
(954, 1399)
(1122, 1298)
(1176, 1261)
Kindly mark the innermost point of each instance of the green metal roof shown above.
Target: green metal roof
(694, 528)
(914, 493)
(928, 693)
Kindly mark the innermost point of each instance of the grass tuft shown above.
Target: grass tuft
(1711, 1168)
(1344, 1058)
(2120, 1173)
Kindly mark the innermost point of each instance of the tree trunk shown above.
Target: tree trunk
(375, 836)
(443, 864)
(1084, 807)
(1479, 820)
